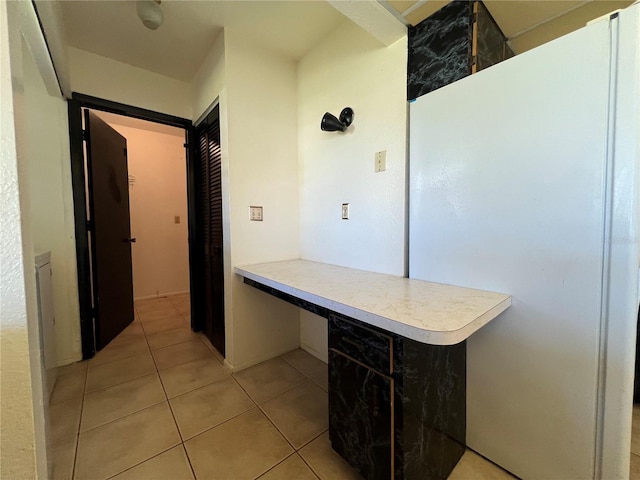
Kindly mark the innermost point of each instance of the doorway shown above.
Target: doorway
(91, 287)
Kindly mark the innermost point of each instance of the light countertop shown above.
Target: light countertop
(427, 312)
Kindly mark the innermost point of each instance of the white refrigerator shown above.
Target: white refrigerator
(524, 180)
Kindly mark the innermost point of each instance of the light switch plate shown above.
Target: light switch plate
(255, 213)
(380, 161)
(345, 211)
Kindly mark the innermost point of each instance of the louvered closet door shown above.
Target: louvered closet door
(210, 228)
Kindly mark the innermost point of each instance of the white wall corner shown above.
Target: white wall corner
(50, 15)
(32, 34)
(372, 17)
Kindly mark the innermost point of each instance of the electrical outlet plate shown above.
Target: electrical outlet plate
(380, 161)
(345, 211)
(255, 213)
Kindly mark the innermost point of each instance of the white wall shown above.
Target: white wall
(350, 68)
(24, 70)
(160, 255)
(256, 92)
(210, 79)
(52, 215)
(52, 22)
(259, 143)
(103, 77)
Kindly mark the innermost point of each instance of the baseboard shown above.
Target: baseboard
(160, 295)
(68, 361)
(262, 358)
(323, 356)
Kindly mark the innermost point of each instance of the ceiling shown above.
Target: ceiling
(177, 49)
(526, 23)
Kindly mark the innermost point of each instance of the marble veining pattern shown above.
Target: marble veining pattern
(439, 49)
(427, 312)
(433, 399)
(360, 416)
(428, 408)
(492, 45)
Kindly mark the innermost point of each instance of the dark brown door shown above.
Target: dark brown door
(109, 229)
(209, 173)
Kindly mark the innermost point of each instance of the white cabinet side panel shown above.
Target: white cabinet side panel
(506, 194)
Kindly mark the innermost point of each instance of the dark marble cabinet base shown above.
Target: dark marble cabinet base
(397, 407)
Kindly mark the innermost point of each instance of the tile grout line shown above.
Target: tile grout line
(182, 363)
(167, 400)
(304, 460)
(123, 381)
(306, 374)
(75, 454)
(313, 439)
(274, 466)
(186, 454)
(122, 417)
(173, 416)
(198, 387)
(218, 425)
(295, 450)
(308, 379)
(143, 461)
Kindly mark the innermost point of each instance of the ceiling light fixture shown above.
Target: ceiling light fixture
(150, 13)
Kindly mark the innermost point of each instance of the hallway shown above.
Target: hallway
(157, 403)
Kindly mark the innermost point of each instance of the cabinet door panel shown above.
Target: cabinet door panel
(361, 416)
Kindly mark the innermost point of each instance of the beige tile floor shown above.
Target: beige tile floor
(157, 403)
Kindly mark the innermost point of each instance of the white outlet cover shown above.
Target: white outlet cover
(380, 161)
(345, 211)
(255, 213)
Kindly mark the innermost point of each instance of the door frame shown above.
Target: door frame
(202, 292)
(75, 105)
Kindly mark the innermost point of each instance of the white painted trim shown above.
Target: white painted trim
(547, 20)
(50, 15)
(30, 28)
(414, 7)
(207, 111)
(319, 355)
(262, 358)
(399, 16)
(372, 17)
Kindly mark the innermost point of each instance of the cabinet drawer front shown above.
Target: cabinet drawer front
(372, 348)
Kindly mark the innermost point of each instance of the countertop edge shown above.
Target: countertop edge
(431, 337)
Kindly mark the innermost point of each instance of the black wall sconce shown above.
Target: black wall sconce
(330, 123)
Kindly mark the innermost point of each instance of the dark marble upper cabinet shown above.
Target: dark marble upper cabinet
(458, 40)
(491, 43)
